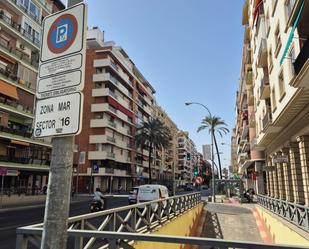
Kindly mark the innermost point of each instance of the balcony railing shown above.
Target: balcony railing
(25, 10)
(18, 55)
(25, 135)
(267, 120)
(264, 88)
(302, 58)
(111, 139)
(16, 107)
(262, 53)
(24, 160)
(110, 154)
(20, 30)
(16, 80)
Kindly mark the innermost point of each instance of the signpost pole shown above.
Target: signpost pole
(59, 190)
(2, 185)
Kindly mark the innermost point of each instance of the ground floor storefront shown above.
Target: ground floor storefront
(20, 181)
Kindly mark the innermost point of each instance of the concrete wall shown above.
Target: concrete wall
(282, 233)
(185, 225)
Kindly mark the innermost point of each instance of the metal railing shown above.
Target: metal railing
(294, 213)
(133, 219)
(20, 30)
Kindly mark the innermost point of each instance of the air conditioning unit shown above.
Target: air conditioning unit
(22, 46)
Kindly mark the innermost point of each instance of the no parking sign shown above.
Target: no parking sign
(63, 33)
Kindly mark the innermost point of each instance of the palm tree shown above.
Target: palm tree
(152, 135)
(215, 124)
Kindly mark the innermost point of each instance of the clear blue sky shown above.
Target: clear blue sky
(189, 50)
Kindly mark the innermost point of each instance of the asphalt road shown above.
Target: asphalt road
(10, 220)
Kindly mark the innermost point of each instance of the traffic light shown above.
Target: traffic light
(188, 157)
(195, 172)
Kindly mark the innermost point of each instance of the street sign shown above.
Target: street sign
(62, 61)
(198, 180)
(58, 116)
(64, 33)
(281, 159)
(60, 84)
(95, 168)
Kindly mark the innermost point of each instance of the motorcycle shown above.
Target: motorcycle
(96, 206)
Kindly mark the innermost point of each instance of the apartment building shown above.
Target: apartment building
(23, 159)
(117, 100)
(167, 159)
(276, 44)
(187, 157)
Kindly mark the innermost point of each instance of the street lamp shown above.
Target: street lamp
(212, 149)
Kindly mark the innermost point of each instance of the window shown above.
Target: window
(273, 99)
(281, 86)
(25, 3)
(288, 8)
(34, 11)
(277, 40)
(292, 58)
(270, 60)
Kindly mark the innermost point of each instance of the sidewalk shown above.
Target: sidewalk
(230, 222)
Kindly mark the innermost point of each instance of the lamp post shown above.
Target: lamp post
(212, 149)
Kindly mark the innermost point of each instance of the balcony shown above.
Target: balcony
(95, 123)
(17, 4)
(12, 78)
(16, 108)
(301, 62)
(19, 56)
(249, 77)
(267, 119)
(108, 63)
(24, 160)
(22, 33)
(101, 77)
(265, 88)
(101, 155)
(24, 136)
(262, 54)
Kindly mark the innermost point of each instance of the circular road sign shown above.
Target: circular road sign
(198, 180)
(62, 33)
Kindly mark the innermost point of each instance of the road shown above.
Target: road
(10, 220)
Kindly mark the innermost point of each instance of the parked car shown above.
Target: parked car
(132, 199)
(151, 192)
(189, 187)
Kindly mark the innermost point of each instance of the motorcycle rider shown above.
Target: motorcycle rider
(98, 196)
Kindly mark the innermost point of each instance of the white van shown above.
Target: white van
(151, 192)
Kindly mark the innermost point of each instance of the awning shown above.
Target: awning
(8, 90)
(19, 142)
(256, 12)
(291, 36)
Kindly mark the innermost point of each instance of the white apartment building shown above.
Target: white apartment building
(277, 34)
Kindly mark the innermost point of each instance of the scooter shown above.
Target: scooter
(96, 206)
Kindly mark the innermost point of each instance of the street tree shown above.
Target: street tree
(152, 135)
(215, 124)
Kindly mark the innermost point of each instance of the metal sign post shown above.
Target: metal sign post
(59, 111)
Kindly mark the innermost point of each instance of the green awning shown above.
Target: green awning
(290, 39)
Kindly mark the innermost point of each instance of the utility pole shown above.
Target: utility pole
(174, 181)
(57, 207)
(213, 166)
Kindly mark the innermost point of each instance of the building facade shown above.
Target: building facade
(117, 100)
(187, 157)
(276, 40)
(167, 159)
(24, 160)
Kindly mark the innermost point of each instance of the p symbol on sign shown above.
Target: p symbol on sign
(62, 33)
